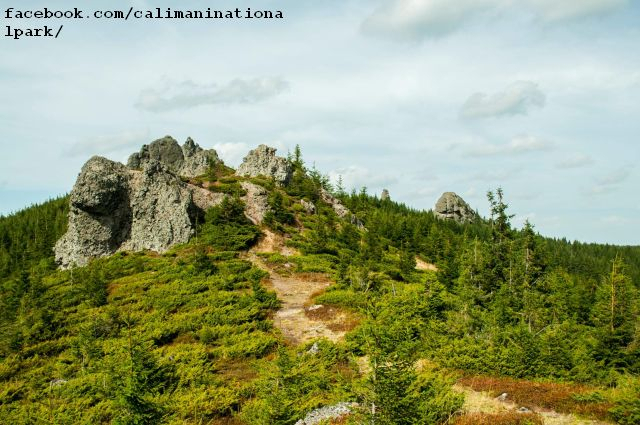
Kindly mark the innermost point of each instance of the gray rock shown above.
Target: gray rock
(326, 413)
(160, 205)
(256, 202)
(339, 208)
(113, 208)
(165, 150)
(452, 207)
(523, 410)
(384, 196)
(196, 160)
(502, 397)
(263, 161)
(335, 203)
(314, 349)
(57, 382)
(99, 213)
(309, 207)
(190, 160)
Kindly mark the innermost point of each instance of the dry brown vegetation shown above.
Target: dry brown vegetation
(336, 319)
(546, 395)
(504, 418)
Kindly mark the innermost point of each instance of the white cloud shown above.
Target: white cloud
(356, 176)
(610, 182)
(187, 94)
(562, 10)
(495, 175)
(614, 177)
(427, 191)
(231, 153)
(415, 20)
(111, 143)
(613, 219)
(517, 99)
(520, 219)
(578, 160)
(517, 145)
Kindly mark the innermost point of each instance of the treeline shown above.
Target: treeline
(507, 301)
(27, 237)
(188, 336)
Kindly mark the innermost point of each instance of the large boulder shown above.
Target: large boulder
(190, 160)
(113, 208)
(263, 161)
(450, 206)
(99, 213)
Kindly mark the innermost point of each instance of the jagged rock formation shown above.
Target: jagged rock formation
(263, 161)
(161, 210)
(113, 208)
(190, 160)
(256, 202)
(452, 207)
(99, 213)
(384, 196)
(147, 206)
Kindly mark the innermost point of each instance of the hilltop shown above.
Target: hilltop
(176, 289)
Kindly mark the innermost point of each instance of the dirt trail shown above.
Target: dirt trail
(293, 320)
(482, 402)
(423, 265)
(295, 292)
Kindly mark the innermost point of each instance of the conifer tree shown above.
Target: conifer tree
(615, 312)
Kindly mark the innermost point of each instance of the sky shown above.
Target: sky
(539, 97)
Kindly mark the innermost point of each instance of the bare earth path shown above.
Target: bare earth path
(295, 292)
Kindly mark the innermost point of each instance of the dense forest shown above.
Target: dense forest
(188, 336)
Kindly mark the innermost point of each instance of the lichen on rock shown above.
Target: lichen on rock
(256, 202)
(263, 161)
(452, 207)
(115, 208)
(190, 160)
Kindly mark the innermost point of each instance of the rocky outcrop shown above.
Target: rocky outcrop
(161, 210)
(308, 206)
(113, 208)
(256, 202)
(335, 203)
(99, 213)
(263, 161)
(450, 206)
(384, 196)
(327, 413)
(339, 208)
(196, 160)
(190, 160)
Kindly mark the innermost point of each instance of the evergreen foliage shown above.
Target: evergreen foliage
(188, 336)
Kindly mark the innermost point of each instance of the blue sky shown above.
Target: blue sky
(420, 97)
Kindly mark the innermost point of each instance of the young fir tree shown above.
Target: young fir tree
(501, 240)
(615, 313)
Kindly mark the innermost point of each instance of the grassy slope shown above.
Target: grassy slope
(190, 332)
